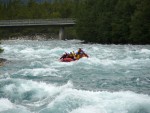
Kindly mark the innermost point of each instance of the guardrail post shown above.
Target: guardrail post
(61, 33)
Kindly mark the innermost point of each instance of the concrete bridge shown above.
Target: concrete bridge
(62, 23)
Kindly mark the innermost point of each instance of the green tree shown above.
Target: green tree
(66, 8)
(1, 8)
(13, 9)
(86, 21)
(115, 21)
(121, 21)
(105, 15)
(94, 22)
(140, 24)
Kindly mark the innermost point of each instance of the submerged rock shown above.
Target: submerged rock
(2, 61)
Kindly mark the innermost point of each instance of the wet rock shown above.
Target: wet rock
(2, 61)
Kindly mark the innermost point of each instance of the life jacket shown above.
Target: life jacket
(71, 56)
(78, 56)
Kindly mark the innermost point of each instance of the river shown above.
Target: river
(114, 79)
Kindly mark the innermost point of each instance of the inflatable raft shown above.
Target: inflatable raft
(67, 60)
(73, 56)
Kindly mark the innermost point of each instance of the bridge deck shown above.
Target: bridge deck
(37, 22)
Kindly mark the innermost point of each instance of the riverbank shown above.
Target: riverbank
(36, 36)
(36, 33)
(33, 37)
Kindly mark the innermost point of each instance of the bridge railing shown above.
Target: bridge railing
(37, 22)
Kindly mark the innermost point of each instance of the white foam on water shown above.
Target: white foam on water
(5, 104)
(70, 100)
(58, 63)
(30, 53)
(95, 48)
(98, 61)
(39, 72)
(79, 101)
(111, 62)
(27, 51)
(147, 51)
(127, 61)
(89, 109)
(56, 49)
(52, 92)
(36, 64)
(40, 89)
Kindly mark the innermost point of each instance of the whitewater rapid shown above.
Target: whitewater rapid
(114, 79)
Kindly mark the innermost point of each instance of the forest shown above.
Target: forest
(97, 21)
(114, 21)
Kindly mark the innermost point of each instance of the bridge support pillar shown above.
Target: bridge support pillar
(61, 33)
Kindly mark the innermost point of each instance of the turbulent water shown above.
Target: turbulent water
(114, 79)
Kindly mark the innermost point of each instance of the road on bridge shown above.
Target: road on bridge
(37, 22)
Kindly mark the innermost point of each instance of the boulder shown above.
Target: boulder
(2, 61)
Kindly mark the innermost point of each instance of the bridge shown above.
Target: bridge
(62, 23)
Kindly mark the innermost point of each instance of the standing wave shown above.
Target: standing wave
(41, 97)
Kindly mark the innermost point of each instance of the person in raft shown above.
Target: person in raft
(81, 54)
(75, 56)
(64, 56)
